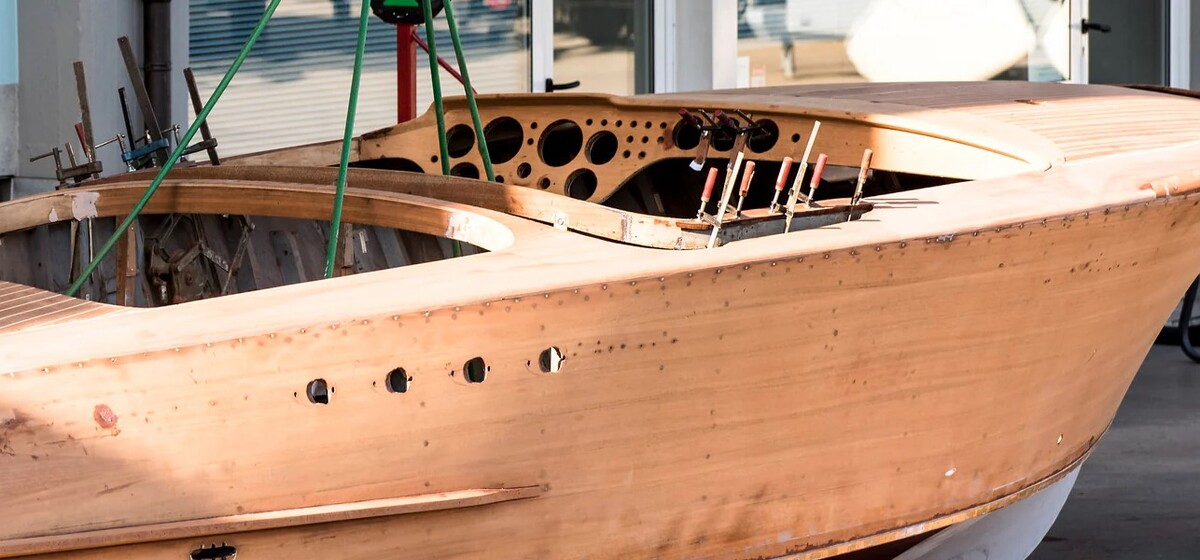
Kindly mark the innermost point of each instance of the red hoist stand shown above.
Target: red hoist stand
(406, 73)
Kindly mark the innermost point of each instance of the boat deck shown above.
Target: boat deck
(1083, 121)
(24, 307)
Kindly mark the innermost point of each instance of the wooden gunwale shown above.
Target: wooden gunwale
(533, 204)
(288, 200)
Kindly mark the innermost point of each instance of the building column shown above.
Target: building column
(696, 45)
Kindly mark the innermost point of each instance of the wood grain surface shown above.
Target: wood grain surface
(959, 345)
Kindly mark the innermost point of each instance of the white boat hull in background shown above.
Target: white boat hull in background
(939, 40)
(1009, 533)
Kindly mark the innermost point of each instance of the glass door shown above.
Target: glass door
(602, 46)
(1128, 42)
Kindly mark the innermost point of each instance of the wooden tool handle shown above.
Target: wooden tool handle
(818, 169)
(746, 178)
(865, 166)
(709, 184)
(688, 117)
(784, 171)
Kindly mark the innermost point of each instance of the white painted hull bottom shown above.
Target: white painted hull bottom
(1009, 533)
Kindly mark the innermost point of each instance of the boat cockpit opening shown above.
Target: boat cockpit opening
(670, 188)
(201, 252)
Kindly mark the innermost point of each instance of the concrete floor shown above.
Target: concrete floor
(1138, 496)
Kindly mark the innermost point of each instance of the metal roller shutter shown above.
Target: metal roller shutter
(294, 87)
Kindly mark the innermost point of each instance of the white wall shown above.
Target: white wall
(84, 30)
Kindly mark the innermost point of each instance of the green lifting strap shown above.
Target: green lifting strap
(438, 107)
(335, 223)
(470, 92)
(436, 80)
(176, 154)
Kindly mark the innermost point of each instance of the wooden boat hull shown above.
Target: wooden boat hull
(804, 395)
(899, 382)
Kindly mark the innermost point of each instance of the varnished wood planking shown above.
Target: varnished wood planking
(1105, 115)
(1086, 121)
(23, 307)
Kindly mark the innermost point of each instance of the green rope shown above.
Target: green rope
(176, 154)
(435, 78)
(335, 223)
(466, 79)
(438, 108)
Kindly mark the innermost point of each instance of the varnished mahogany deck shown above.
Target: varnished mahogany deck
(25, 307)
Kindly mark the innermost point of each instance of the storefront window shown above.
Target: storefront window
(784, 42)
(294, 87)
